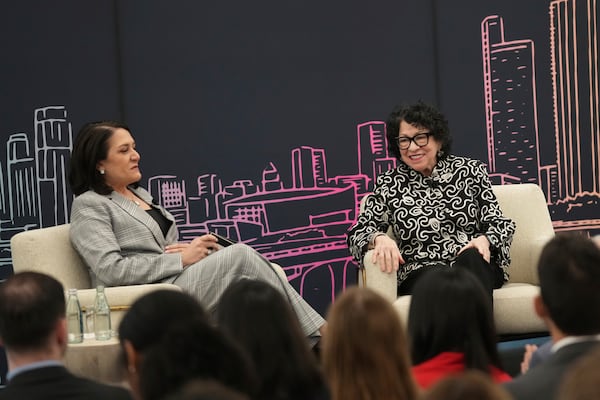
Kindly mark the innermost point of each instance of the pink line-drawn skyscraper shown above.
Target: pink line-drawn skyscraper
(271, 180)
(510, 105)
(373, 158)
(308, 167)
(575, 81)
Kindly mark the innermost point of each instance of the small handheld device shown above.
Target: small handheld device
(222, 240)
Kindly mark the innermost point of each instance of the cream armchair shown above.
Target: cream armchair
(49, 250)
(513, 303)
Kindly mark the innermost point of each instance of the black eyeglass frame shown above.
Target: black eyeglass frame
(419, 137)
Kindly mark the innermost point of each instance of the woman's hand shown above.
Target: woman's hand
(482, 244)
(386, 254)
(194, 251)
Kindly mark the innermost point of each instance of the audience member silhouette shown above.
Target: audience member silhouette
(569, 303)
(365, 352)
(149, 328)
(194, 349)
(451, 327)
(582, 380)
(146, 322)
(33, 330)
(468, 385)
(533, 354)
(200, 389)
(258, 317)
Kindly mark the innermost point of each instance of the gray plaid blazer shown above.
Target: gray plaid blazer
(121, 243)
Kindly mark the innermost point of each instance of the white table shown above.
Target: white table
(96, 359)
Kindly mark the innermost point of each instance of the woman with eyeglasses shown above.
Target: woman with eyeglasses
(440, 207)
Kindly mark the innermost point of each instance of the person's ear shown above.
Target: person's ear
(61, 334)
(540, 307)
(132, 357)
(132, 360)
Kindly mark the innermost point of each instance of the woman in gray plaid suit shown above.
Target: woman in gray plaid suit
(127, 239)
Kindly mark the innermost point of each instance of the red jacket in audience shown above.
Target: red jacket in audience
(429, 372)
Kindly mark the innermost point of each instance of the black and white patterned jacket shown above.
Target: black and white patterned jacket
(433, 217)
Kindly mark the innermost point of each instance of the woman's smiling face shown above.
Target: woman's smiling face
(422, 159)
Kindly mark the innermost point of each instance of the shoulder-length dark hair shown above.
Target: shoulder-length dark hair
(419, 115)
(259, 318)
(91, 147)
(450, 311)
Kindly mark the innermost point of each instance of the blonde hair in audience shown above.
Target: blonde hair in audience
(469, 385)
(365, 350)
(580, 382)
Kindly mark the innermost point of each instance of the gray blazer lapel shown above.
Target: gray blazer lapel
(172, 234)
(136, 212)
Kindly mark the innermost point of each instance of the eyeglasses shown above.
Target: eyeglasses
(420, 140)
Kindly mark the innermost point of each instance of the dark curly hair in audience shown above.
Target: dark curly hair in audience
(420, 115)
(461, 321)
(90, 147)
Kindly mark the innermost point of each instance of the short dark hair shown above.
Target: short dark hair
(91, 147)
(261, 320)
(569, 273)
(31, 304)
(462, 319)
(420, 115)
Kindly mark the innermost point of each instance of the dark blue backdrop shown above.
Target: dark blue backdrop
(228, 87)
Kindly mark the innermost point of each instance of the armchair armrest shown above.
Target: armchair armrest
(120, 298)
(372, 277)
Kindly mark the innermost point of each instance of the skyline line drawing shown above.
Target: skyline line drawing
(301, 223)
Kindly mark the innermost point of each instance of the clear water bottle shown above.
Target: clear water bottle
(102, 328)
(74, 321)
